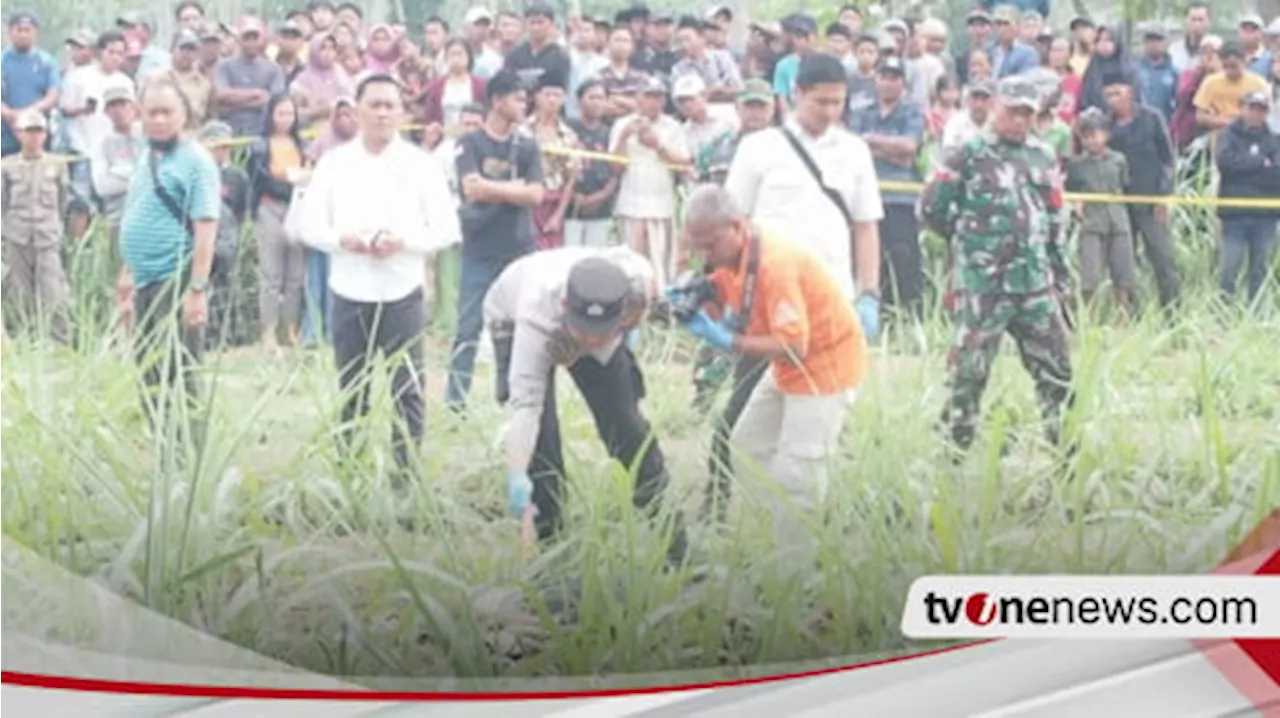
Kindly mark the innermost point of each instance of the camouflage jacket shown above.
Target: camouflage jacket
(999, 203)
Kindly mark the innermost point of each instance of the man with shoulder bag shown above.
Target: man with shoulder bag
(167, 238)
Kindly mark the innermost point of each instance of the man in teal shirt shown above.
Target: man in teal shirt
(800, 29)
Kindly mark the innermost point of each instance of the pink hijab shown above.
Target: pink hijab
(387, 62)
(322, 86)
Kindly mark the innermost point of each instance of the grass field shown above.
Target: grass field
(265, 541)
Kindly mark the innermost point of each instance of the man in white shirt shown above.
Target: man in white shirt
(571, 307)
(76, 107)
(770, 181)
(967, 125)
(703, 131)
(378, 206)
(653, 143)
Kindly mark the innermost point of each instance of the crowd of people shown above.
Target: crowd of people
(489, 172)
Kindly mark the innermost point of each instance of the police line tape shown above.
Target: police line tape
(885, 185)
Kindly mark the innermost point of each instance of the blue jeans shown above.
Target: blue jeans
(317, 316)
(1251, 237)
(477, 276)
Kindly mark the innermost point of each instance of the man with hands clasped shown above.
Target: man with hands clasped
(776, 302)
(379, 206)
(571, 307)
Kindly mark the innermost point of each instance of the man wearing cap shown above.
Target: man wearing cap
(893, 129)
(719, 20)
(500, 172)
(1256, 56)
(968, 125)
(78, 103)
(1009, 54)
(36, 193)
(776, 305)
(978, 31)
(654, 144)
(30, 75)
(540, 54)
(1198, 24)
(236, 195)
(152, 59)
(999, 199)
(799, 29)
(1248, 158)
(571, 307)
(477, 28)
(289, 50)
(924, 70)
(117, 157)
(243, 85)
(1219, 99)
(185, 72)
(703, 131)
(715, 68)
(1157, 77)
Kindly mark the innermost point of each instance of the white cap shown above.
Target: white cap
(1273, 30)
(688, 86)
(476, 14)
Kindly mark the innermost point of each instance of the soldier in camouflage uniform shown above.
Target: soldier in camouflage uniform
(755, 112)
(998, 198)
(36, 191)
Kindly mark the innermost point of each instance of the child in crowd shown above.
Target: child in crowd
(1105, 235)
(235, 209)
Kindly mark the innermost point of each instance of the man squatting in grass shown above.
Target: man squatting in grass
(167, 238)
(998, 197)
(796, 317)
(572, 307)
(379, 205)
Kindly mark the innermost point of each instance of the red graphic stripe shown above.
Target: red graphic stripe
(96, 685)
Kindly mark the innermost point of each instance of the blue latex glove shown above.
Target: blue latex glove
(712, 332)
(869, 316)
(519, 491)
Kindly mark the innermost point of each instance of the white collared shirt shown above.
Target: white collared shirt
(401, 192)
(771, 183)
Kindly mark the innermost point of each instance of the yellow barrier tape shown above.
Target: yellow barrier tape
(885, 185)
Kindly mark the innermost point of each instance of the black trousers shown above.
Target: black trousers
(1158, 241)
(169, 353)
(613, 392)
(747, 372)
(360, 331)
(902, 258)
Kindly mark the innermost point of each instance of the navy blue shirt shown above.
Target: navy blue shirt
(27, 77)
(904, 120)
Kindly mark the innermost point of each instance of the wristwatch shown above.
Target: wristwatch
(198, 286)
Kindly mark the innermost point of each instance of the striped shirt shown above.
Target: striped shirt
(153, 242)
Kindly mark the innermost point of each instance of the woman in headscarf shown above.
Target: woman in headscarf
(320, 84)
(1109, 56)
(383, 53)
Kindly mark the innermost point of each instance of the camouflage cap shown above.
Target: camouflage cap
(1006, 14)
(1018, 92)
(756, 90)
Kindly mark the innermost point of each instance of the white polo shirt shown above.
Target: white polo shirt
(772, 184)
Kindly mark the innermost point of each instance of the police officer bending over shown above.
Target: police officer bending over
(571, 307)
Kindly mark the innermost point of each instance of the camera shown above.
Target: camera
(687, 295)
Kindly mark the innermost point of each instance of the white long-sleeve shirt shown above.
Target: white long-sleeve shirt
(401, 192)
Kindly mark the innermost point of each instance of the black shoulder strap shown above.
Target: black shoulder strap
(831, 194)
(165, 198)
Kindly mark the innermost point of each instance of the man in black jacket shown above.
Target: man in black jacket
(1139, 133)
(1249, 164)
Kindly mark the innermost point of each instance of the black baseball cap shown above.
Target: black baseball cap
(596, 296)
(892, 66)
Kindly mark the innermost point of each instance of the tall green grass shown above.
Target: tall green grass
(263, 537)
